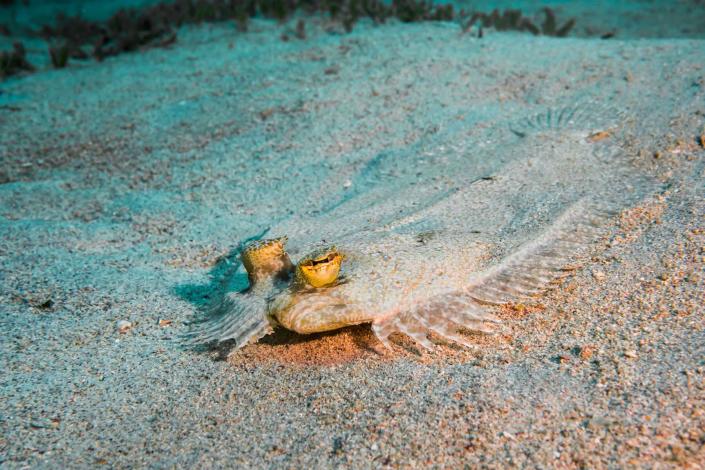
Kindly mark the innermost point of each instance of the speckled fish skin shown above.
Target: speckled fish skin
(437, 281)
(381, 275)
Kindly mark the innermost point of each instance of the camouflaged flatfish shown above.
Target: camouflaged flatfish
(437, 266)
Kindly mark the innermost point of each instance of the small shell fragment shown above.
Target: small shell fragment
(598, 136)
(123, 326)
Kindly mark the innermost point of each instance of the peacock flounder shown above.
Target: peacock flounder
(441, 265)
(381, 282)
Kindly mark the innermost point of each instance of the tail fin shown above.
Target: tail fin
(584, 115)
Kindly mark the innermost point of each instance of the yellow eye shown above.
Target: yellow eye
(320, 270)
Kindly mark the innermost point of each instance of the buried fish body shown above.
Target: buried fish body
(413, 284)
(432, 269)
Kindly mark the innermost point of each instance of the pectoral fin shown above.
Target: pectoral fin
(240, 316)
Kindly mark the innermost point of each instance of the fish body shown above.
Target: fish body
(438, 261)
(379, 277)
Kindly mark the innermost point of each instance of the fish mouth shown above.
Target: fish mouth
(329, 258)
(321, 270)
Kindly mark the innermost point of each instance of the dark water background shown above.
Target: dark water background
(623, 19)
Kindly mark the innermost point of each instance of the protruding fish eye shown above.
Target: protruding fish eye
(319, 271)
(262, 258)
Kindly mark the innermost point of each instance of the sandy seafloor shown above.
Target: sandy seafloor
(127, 184)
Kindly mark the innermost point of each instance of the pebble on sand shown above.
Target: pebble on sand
(123, 326)
(586, 352)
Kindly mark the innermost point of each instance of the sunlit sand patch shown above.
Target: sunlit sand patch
(633, 221)
(357, 344)
(284, 347)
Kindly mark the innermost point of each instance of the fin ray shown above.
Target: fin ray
(240, 316)
(585, 115)
(528, 271)
(533, 267)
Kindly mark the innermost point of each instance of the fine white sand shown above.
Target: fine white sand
(128, 185)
